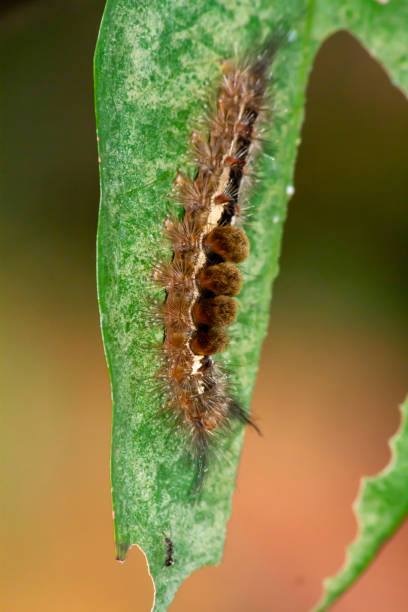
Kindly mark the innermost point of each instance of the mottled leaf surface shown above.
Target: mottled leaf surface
(157, 65)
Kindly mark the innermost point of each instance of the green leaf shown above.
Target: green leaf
(380, 508)
(156, 64)
(382, 504)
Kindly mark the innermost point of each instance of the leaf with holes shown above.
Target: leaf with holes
(381, 507)
(155, 65)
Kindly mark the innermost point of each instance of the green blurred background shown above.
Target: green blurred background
(333, 369)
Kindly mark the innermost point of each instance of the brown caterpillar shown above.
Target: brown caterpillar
(203, 276)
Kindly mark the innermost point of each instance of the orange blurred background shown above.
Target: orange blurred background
(333, 369)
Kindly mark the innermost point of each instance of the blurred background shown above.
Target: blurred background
(333, 369)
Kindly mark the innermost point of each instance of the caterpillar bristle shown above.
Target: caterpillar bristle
(201, 451)
(237, 412)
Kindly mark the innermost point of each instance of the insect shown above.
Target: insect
(169, 552)
(203, 278)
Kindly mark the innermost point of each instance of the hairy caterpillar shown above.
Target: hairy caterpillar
(203, 278)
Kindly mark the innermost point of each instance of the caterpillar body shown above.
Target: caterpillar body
(203, 277)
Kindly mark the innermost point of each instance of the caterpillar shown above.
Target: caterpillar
(203, 277)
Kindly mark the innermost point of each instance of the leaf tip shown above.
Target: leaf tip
(121, 550)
